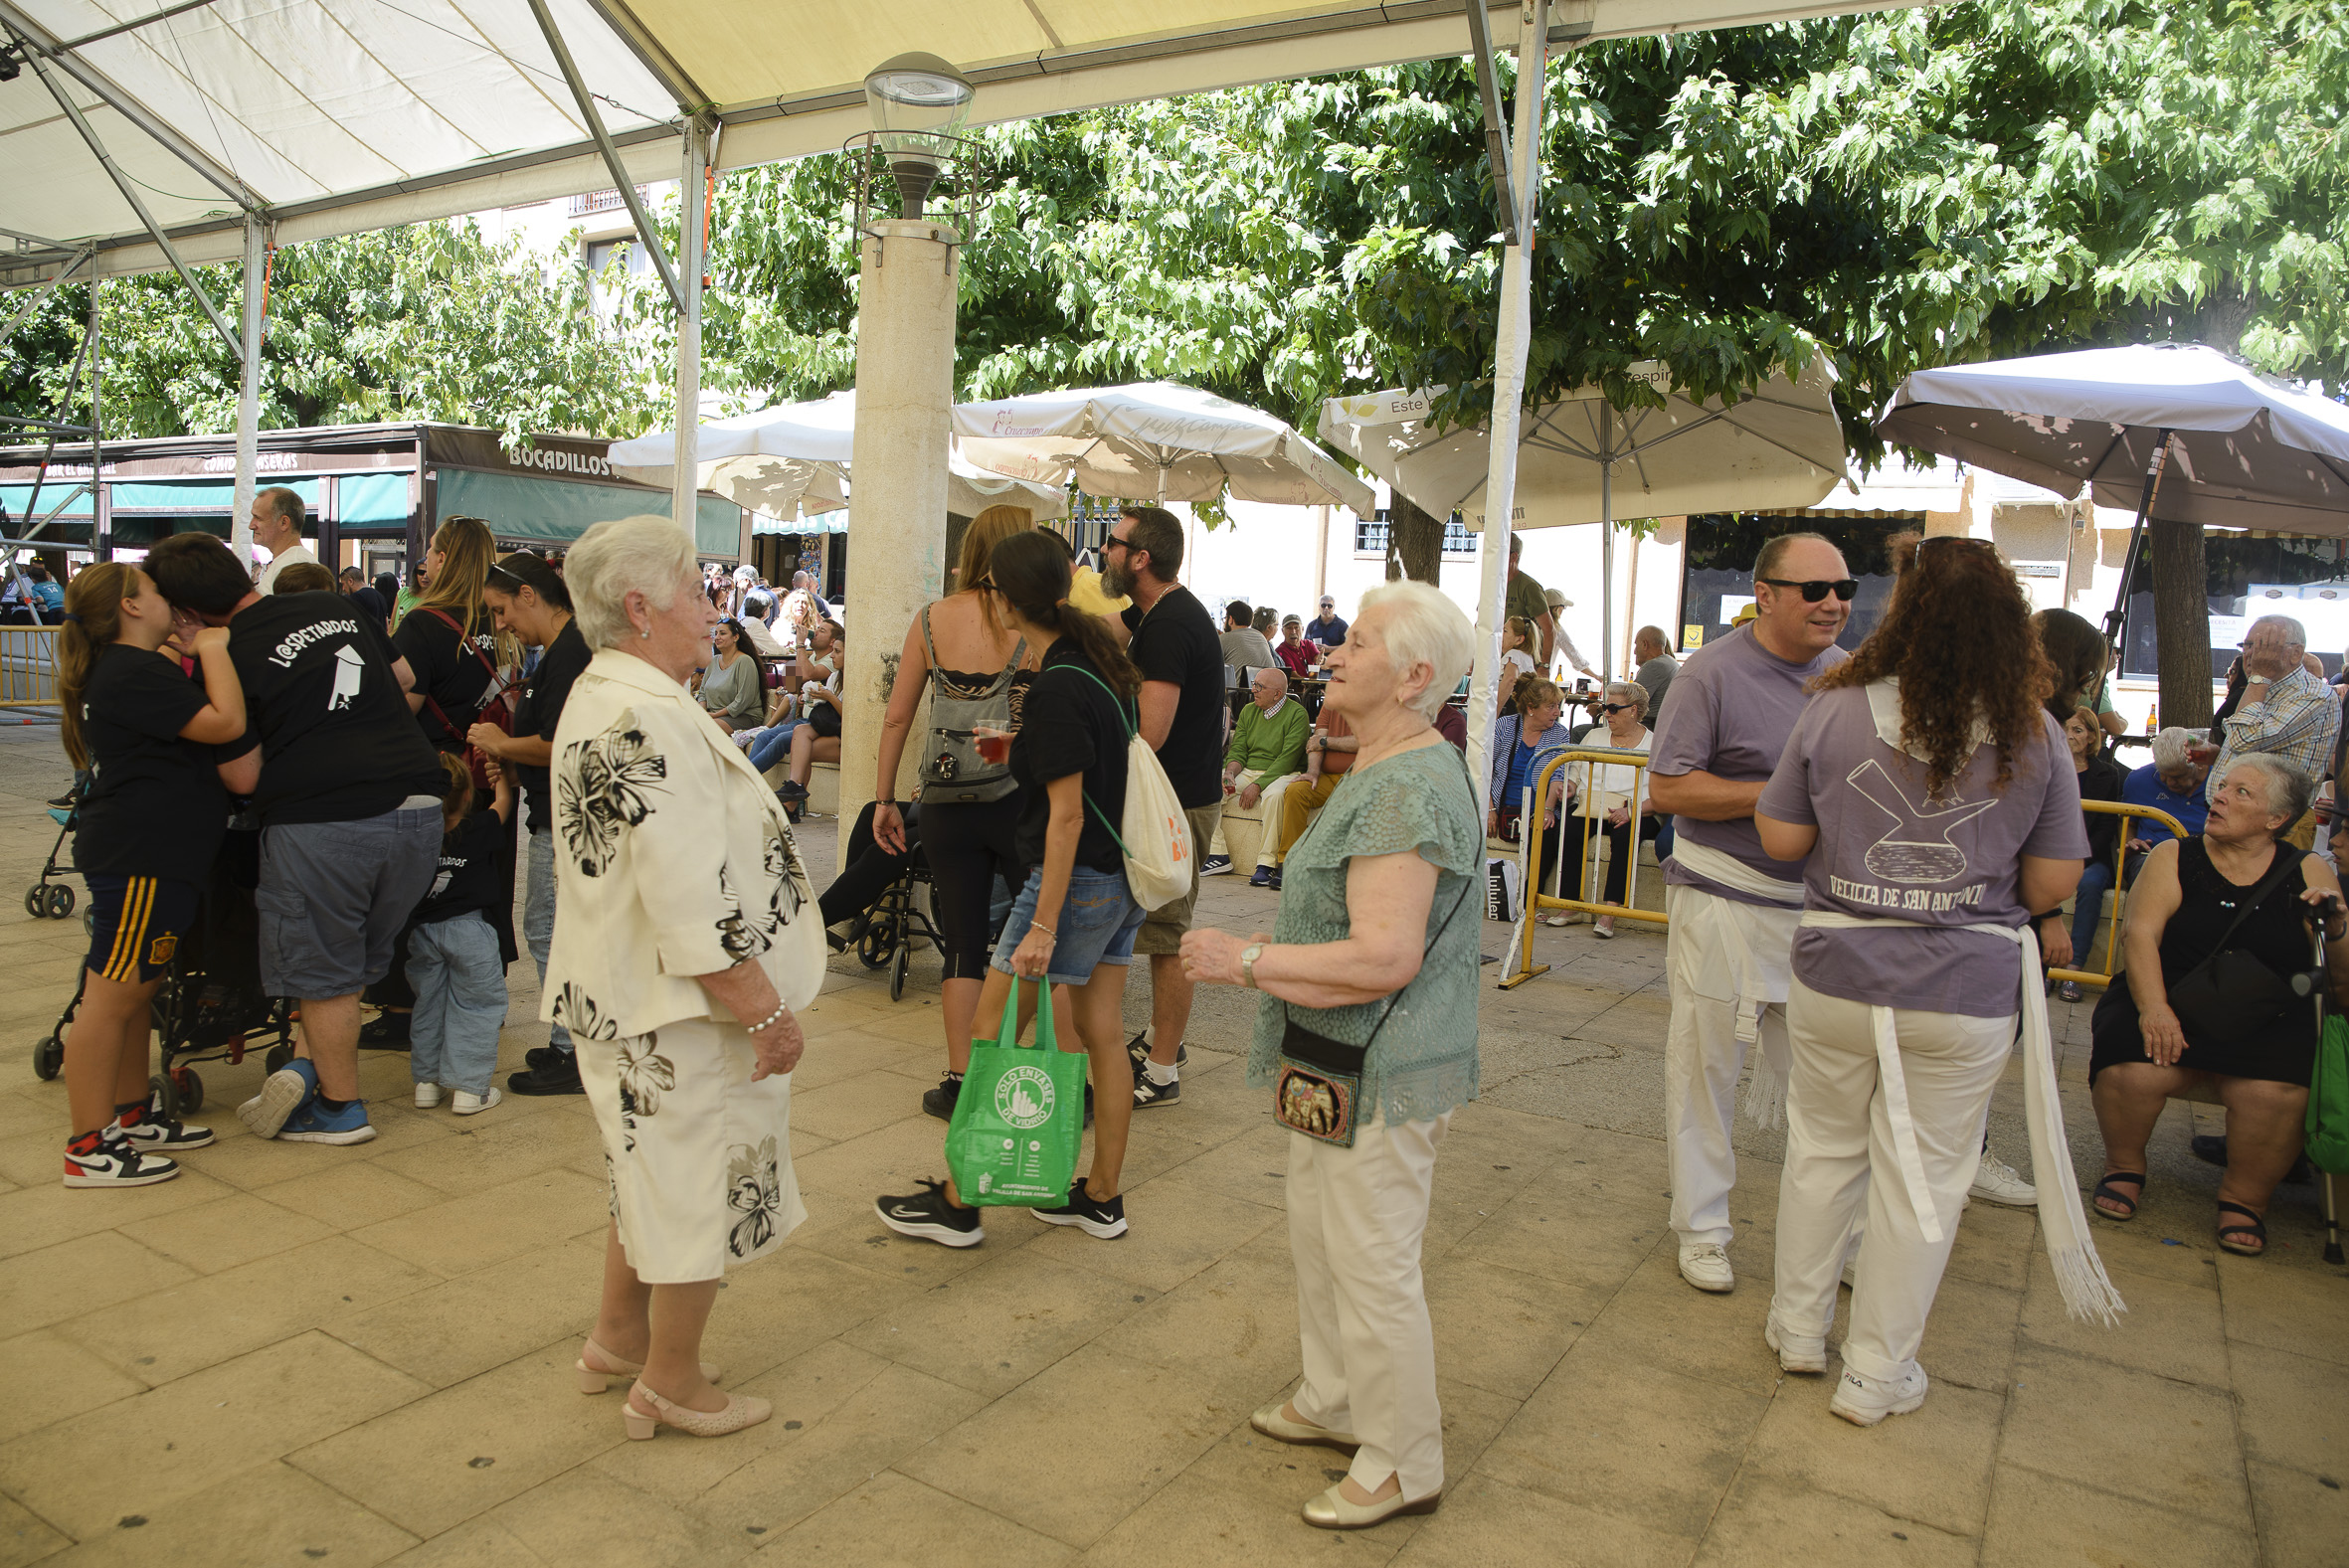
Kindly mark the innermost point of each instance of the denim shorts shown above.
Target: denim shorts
(1097, 924)
(333, 897)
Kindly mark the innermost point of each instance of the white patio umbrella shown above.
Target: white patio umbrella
(1159, 440)
(1580, 459)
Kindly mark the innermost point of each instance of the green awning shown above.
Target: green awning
(366, 500)
(558, 511)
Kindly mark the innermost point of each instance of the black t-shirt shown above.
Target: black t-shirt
(468, 880)
(1071, 725)
(538, 706)
(155, 806)
(450, 670)
(370, 603)
(337, 742)
(1176, 643)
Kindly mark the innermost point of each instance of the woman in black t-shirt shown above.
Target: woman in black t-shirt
(448, 637)
(1074, 921)
(150, 822)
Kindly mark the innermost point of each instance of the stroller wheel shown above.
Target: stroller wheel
(166, 1096)
(60, 901)
(279, 1055)
(37, 901)
(191, 1090)
(897, 971)
(90, 922)
(49, 1058)
(881, 938)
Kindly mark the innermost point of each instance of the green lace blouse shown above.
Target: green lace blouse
(1423, 1062)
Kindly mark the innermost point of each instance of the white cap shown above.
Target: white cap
(1559, 601)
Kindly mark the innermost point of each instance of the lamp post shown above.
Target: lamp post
(905, 364)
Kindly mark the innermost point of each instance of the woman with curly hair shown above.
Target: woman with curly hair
(1937, 806)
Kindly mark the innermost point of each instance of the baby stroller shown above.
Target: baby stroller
(50, 898)
(211, 1004)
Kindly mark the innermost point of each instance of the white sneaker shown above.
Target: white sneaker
(1863, 1401)
(465, 1105)
(1705, 1265)
(427, 1096)
(1995, 1182)
(1805, 1353)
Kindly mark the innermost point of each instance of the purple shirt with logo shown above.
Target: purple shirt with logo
(1886, 851)
(1728, 713)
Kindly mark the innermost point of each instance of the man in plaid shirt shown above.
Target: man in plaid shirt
(2286, 711)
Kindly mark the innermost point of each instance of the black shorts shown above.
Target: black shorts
(136, 923)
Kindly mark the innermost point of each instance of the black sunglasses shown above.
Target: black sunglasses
(1114, 542)
(1816, 590)
(1621, 707)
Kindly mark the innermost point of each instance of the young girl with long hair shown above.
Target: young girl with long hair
(150, 822)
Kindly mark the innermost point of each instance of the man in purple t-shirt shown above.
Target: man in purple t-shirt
(1733, 908)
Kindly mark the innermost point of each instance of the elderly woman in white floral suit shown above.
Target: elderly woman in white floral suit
(685, 937)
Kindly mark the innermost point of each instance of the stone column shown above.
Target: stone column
(905, 367)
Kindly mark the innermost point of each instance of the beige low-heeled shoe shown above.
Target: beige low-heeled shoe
(594, 1378)
(742, 1410)
(1331, 1511)
(1274, 1422)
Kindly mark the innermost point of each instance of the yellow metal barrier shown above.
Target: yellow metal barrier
(28, 667)
(2120, 856)
(1522, 943)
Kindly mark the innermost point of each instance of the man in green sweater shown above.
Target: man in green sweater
(1266, 755)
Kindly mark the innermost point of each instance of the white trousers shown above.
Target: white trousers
(1841, 1163)
(1266, 814)
(1355, 1220)
(1703, 1057)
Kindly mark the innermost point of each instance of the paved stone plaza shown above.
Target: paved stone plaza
(299, 1354)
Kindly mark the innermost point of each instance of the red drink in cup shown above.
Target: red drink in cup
(994, 744)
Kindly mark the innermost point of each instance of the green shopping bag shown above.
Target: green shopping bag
(2328, 1100)
(1019, 1118)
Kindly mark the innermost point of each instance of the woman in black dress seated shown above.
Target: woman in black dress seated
(2255, 1039)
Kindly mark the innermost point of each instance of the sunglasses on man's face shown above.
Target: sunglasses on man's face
(1113, 542)
(1817, 589)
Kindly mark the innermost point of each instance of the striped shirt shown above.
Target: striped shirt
(2296, 721)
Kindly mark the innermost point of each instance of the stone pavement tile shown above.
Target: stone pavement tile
(35, 1156)
(1502, 1330)
(777, 1306)
(1994, 1245)
(857, 1104)
(2303, 1518)
(45, 1212)
(189, 1436)
(45, 1377)
(493, 1224)
(844, 1227)
(2169, 1329)
(270, 1514)
(1252, 1166)
(449, 1330)
(805, 1391)
(2038, 1520)
(1768, 1520)
(2281, 1308)
(250, 1163)
(1969, 1334)
(477, 1544)
(888, 1160)
(1177, 1231)
(1629, 1438)
(233, 1229)
(349, 1195)
(1658, 1318)
(1591, 1245)
(1241, 1503)
(1167, 1139)
(168, 1334)
(584, 1519)
(1235, 1324)
(1932, 1465)
(913, 1021)
(482, 1153)
(2290, 1409)
(999, 1324)
(2166, 1442)
(1079, 1446)
(24, 1538)
(892, 1521)
(1487, 1523)
(75, 1278)
(31, 1111)
(420, 1466)
(2137, 1249)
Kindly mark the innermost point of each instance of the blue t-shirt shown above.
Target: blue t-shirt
(50, 594)
(1520, 774)
(2143, 786)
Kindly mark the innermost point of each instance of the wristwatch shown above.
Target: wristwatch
(1248, 957)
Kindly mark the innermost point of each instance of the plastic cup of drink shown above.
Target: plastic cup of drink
(994, 742)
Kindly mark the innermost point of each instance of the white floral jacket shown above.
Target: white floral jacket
(672, 858)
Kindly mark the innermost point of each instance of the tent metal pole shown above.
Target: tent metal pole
(24, 313)
(1479, 38)
(646, 234)
(97, 149)
(2116, 620)
(1606, 543)
(1509, 394)
(100, 496)
(249, 393)
(684, 477)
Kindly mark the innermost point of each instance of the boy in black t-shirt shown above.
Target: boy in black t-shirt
(453, 961)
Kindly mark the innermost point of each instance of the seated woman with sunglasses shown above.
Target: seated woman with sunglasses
(1621, 796)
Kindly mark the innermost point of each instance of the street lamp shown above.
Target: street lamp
(918, 102)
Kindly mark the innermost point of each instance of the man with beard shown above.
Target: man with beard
(1174, 644)
(1729, 954)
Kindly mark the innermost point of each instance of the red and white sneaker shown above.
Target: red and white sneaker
(151, 1130)
(114, 1162)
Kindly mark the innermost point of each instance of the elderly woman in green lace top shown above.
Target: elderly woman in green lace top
(1366, 1037)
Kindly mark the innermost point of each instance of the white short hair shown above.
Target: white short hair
(2295, 636)
(2169, 747)
(2289, 789)
(1426, 628)
(647, 555)
(1627, 691)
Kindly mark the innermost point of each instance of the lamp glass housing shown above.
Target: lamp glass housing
(917, 101)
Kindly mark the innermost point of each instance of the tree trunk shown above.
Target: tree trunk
(2181, 622)
(1414, 542)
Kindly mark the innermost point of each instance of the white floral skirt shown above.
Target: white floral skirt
(697, 1156)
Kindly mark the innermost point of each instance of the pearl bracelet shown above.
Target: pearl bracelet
(773, 1018)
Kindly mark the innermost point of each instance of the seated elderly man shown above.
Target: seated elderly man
(1266, 755)
(2171, 783)
(2285, 711)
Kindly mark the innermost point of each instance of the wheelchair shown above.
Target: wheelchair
(899, 919)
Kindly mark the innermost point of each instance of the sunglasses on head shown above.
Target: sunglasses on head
(1818, 589)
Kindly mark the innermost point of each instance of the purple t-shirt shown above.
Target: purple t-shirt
(1885, 851)
(1728, 714)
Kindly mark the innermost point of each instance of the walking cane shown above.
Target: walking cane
(2314, 984)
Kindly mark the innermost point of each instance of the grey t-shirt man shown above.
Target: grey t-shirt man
(1888, 850)
(1246, 649)
(1729, 711)
(1656, 675)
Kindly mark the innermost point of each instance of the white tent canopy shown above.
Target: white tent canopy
(1154, 439)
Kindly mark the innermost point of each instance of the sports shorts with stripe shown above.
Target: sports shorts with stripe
(136, 923)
